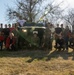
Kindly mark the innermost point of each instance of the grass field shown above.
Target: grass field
(37, 62)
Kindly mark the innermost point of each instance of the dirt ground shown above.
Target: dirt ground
(37, 62)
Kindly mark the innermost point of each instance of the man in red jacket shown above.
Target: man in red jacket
(10, 42)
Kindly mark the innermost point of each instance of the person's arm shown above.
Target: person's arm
(18, 24)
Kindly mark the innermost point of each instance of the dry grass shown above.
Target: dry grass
(37, 62)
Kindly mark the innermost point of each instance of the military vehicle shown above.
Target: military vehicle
(28, 30)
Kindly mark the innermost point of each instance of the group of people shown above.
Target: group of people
(7, 38)
(64, 37)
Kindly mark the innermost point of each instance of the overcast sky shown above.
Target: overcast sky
(4, 3)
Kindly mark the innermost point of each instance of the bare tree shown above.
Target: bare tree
(32, 10)
(27, 9)
(69, 18)
(52, 12)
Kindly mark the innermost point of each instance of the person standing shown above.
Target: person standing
(62, 27)
(6, 32)
(58, 32)
(1, 27)
(21, 21)
(1, 40)
(48, 36)
(52, 30)
(67, 34)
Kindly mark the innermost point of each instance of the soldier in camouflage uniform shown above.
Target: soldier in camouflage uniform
(35, 41)
(47, 38)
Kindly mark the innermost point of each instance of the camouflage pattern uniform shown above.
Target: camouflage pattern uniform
(47, 39)
(35, 41)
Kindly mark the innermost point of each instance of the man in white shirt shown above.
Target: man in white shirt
(52, 28)
(21, 21)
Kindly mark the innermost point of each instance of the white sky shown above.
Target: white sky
(66, 3)
(71, 3)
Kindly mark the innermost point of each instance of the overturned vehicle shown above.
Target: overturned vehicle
(30, 35)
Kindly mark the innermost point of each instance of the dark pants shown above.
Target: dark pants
(56, 42)
(60, 43)
(12, 48)
(40, 40)
(5, 39)
(66, 42)
(1, 45)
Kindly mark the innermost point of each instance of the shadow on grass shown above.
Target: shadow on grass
(64, 54)
(45, 55)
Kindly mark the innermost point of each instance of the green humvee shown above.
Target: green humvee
(27, 31)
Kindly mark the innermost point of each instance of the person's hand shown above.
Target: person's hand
(10, 46)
